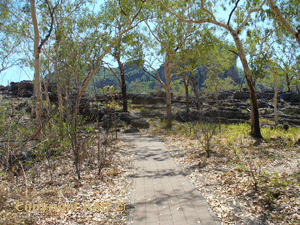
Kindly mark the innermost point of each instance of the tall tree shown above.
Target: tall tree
(288, 15)
(171, 36)
(205, 12)
(38, 44)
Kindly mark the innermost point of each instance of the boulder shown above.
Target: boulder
(127, 117)
(22, 89)
(139, 123)
(292, 97)
(139, 99)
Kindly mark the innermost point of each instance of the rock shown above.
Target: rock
(263, 104)
(110, 121)
(291, 110)
(241, 95)
(138, 99)
(188, 116)
(3, 88)
(131, 130)
(227, 114)
(292, 97)
(224, 95)
(150, 100)
(127, 117)
(151, 114)
(139, 123)
(22, 89)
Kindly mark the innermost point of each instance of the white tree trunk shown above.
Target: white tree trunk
(37, 65)
(285, 23)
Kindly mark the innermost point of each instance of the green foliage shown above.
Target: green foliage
(212, 87)
(178, 89)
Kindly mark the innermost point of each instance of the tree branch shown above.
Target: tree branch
(236, 4)
(51, 26)
(248, 16)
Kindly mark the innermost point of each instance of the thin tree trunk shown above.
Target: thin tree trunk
(275, 95)
(255, 127)
(194, 84)
(37, 67)
(186, 87)
(76, 147)
(58, 84)
(288, 82)
(168, 93)
(123, 86)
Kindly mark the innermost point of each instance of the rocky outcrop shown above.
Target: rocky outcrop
(22, 89)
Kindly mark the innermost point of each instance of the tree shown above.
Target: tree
(130, 46)
(204, 12)
(38, 44)
(288, 16)
(193, 59)
(171, 36)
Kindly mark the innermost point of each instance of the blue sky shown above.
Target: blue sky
(16, 74)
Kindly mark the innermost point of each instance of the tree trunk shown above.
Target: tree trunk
(168, 93)
(275, 94)
(37, 67)
(194, 84)
(76, 148)
(123, 86)
(186, 87)
(288, 82)
(58, 84)
(285, 23)
(255, 128)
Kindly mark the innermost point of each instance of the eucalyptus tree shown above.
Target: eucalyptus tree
(191, 60)
(239, 19)
(287, 14)
(170, 35)
(219, 60)
(38, 44)
(288, 64)
(85, 39)
(130, 49)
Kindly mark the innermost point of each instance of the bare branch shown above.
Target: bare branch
(236, 4)
(51, 26)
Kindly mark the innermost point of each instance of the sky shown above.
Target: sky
(16, 74)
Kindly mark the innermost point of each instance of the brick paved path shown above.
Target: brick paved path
(162, 193)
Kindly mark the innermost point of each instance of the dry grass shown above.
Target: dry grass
(244, 181)
(112, 186)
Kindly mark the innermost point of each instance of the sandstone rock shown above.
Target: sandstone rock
(151, 114)
(131, 130)
(139, 123)
(188, 116)
(22, 89)
(241, 95)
